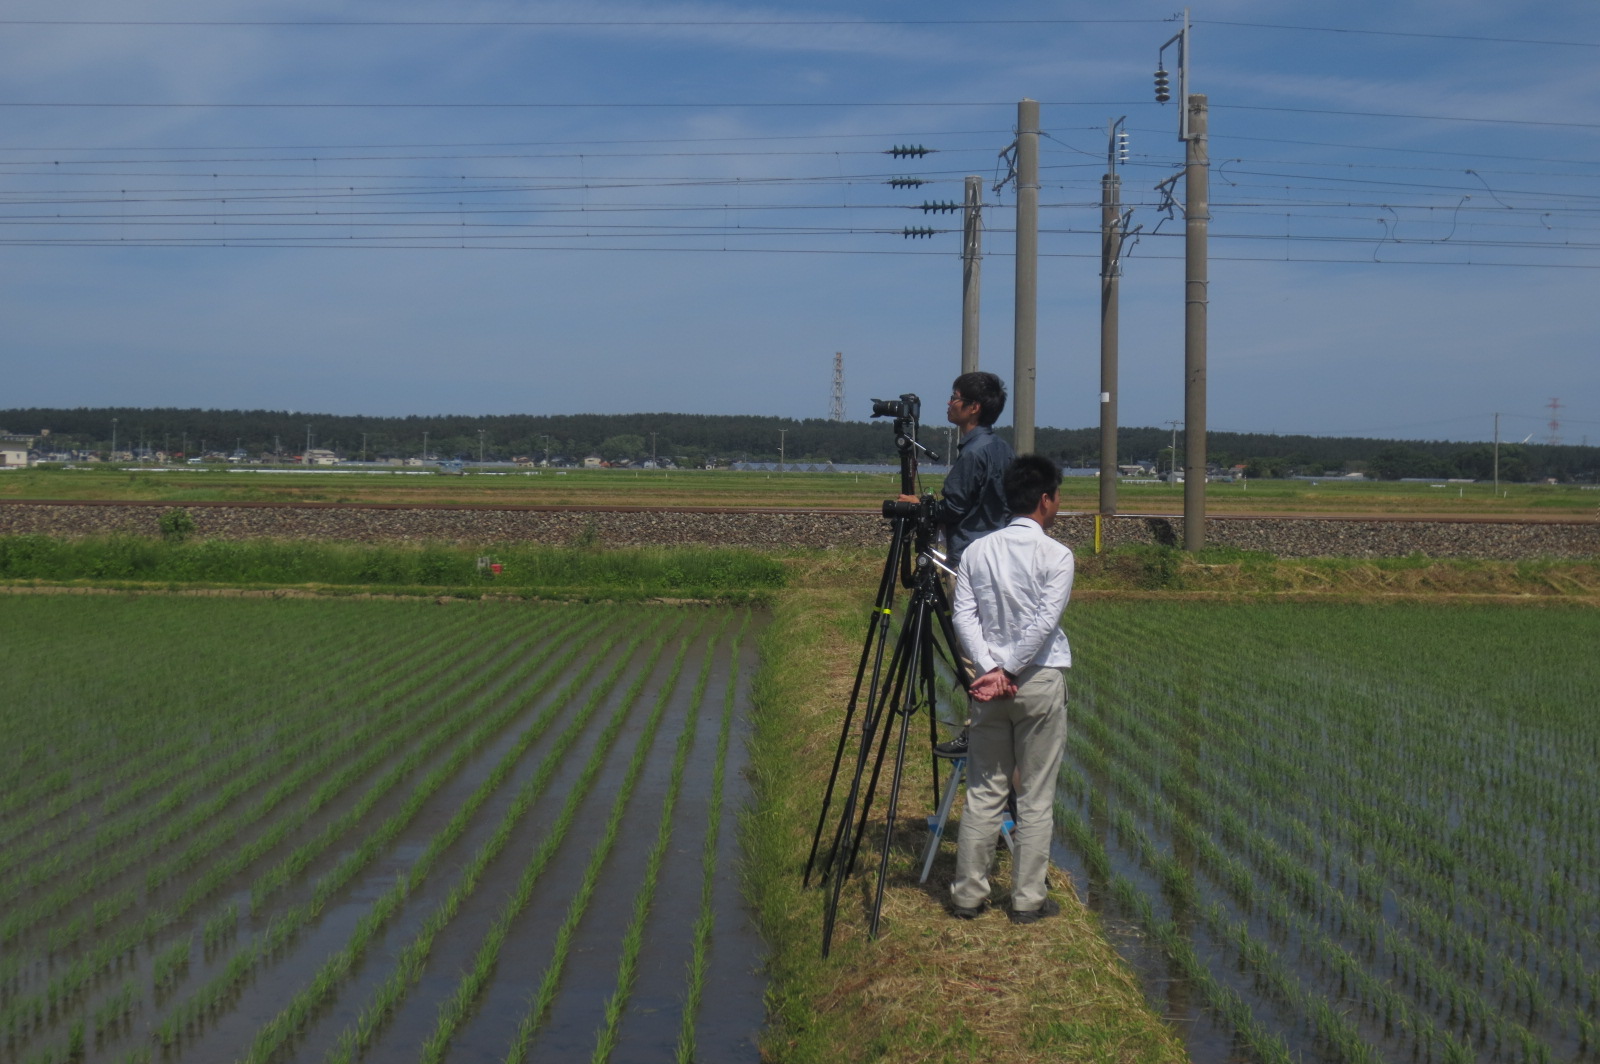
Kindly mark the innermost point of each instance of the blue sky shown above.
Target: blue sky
(520, 206)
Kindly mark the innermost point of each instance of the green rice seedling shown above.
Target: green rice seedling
(413, 956)
(1306, 761)
(292, 864)
(171, 963)
(454, 1007)
(694, 983)
(287, 922)
(220, 927)
(26, 916)
(545, 993)
(281, 1029)
(112, 1012)
(633, 937)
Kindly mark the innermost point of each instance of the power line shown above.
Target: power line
(750, 105)
(576, 23)
(738, 23)
(1395, 33)
(1397, 114)
(901, 135)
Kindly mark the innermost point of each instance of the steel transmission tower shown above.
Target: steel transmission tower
(1555, 421)
(836, 411)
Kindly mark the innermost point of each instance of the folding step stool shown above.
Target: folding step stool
(936, 824)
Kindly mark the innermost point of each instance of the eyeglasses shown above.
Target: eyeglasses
(958, 398)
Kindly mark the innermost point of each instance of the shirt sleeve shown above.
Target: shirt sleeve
(959, 495)
(1043, 616)
(964, 614)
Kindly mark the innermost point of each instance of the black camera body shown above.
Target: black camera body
(920, 510)
(907, 408)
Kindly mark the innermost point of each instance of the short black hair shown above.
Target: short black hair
(985, 389)
(1030, 478)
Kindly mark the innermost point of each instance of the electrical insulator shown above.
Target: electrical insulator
(906, 182)
(915, 232)
(940, 207)
(1162, 93)
(1122, 147)
(901, 151)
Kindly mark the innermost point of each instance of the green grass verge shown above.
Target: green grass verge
(644, 572)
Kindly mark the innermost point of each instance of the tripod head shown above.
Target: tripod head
(907, 414)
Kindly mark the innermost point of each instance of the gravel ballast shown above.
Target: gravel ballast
(1289, 537)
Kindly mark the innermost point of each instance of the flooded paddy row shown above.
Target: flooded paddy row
(387, 828)
(1344, 833)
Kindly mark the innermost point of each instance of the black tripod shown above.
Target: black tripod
(909, 683)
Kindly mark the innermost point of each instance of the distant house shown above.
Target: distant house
(318, 456)
(594, 461)
(14, 451)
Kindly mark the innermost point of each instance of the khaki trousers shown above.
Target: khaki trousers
(1025, 734)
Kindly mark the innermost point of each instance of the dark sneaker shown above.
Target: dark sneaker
(961, 912)
(956, 747)
(1033, 916)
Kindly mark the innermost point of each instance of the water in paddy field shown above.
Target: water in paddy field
(471, 790)
(1312, 847)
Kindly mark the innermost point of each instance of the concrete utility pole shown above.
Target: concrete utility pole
(836, 406)
(306, 460)
(1197, 216)
(781, 433)
(1497, 454)
(1026, 329)
(971, 258)
(1113, 228)
(1192, 115)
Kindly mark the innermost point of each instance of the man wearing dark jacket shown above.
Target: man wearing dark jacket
(973, 503)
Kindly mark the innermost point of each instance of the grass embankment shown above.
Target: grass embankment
(930, 987)
(742, 489)
(1225, 572)
(530, 571)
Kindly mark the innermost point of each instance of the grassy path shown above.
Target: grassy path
(930, 988)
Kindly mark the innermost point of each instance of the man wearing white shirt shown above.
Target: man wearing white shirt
(1011, 589)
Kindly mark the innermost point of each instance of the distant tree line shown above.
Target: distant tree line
(696, 439)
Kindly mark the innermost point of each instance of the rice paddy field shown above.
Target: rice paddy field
(331, 830)
(1344, 832)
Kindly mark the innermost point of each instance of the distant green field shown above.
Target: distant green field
(723, 488)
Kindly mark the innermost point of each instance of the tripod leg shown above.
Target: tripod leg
(888, 826)
(872, 649)
(893, 692)
(841, 858)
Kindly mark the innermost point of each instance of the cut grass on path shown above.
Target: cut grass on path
(930, 988)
